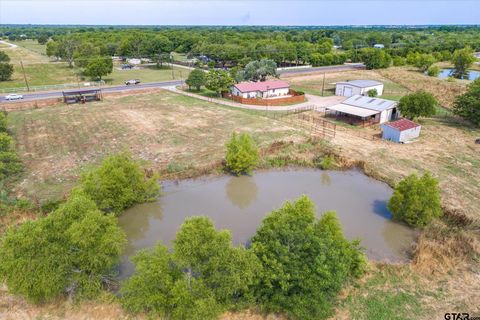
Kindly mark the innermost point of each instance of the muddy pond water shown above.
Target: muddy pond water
(240, 203)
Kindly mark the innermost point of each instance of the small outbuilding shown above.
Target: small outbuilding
(361, 87)
(365, 111)
(82, 96)
(402, 130)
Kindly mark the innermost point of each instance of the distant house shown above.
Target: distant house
(261, 89)
(359, 109)
(402, 130)
(354, 87)
(378, 46)
(134, 61)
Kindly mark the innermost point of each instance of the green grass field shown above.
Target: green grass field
(42, 71)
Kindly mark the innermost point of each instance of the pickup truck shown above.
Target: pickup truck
(133, 81)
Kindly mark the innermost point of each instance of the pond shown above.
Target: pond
(240, 203)
(472, 74)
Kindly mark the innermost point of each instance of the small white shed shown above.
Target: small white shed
(361, 87)
(402, 130)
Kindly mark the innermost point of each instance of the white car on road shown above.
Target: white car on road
(13, 96)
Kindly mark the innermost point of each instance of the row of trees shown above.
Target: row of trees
(10, 163)
(398, 41)
(295, 265)
(227, 47)
(73, 250)
(6, 69)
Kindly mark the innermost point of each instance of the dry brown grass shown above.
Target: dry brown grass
(163, 128)
(445, 91)
(312, 83)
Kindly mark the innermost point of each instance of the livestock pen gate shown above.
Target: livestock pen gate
(82, 96)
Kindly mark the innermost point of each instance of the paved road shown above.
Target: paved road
(59, 93)
(353, 66)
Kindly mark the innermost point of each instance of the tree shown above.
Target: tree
(416, 201)
(305, 262)
(462, 59)
(242, 154)
(204, 275)
(260, 70)
(118, 183)
(9, 161)
(72, 250)
(159, 287)
(196, 79)
(4, 57)
(467, 105)
(6, 71)
(98, 67)
(208, 254)
(398, 61)
(372, 93)
(3, 122)
(424, 61)
(375, 58)
(42, 39)
(66, 49)
(433, 71)
(53, 49)
(417, 104)
(219, 81)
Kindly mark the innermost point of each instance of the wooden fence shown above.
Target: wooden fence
(294, 97)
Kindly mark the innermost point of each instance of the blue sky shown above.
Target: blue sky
(246, 12)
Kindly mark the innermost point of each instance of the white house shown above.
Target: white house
(402, 130)
(261, 89)
(371, 110)
(354, 87)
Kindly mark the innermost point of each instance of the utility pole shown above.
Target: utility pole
(24, 75)
(323, 83)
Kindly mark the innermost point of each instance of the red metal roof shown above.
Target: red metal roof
(402, 124)
(261, 86)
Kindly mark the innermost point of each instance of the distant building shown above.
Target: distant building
(134, 61)
(354, 87)
(378, 46)
(365, 110)
(261, 89)
(402, 130)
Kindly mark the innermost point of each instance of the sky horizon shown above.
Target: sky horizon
(240, 13)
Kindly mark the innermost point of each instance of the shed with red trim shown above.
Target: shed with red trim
(402, 130)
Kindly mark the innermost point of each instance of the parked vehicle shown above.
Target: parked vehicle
(132, 81)
(127, 66)
(13, 96)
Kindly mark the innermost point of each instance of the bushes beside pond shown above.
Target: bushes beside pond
(72, 250)
(242, 154)
(296, 265)
(416, 201)
(118, 183)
